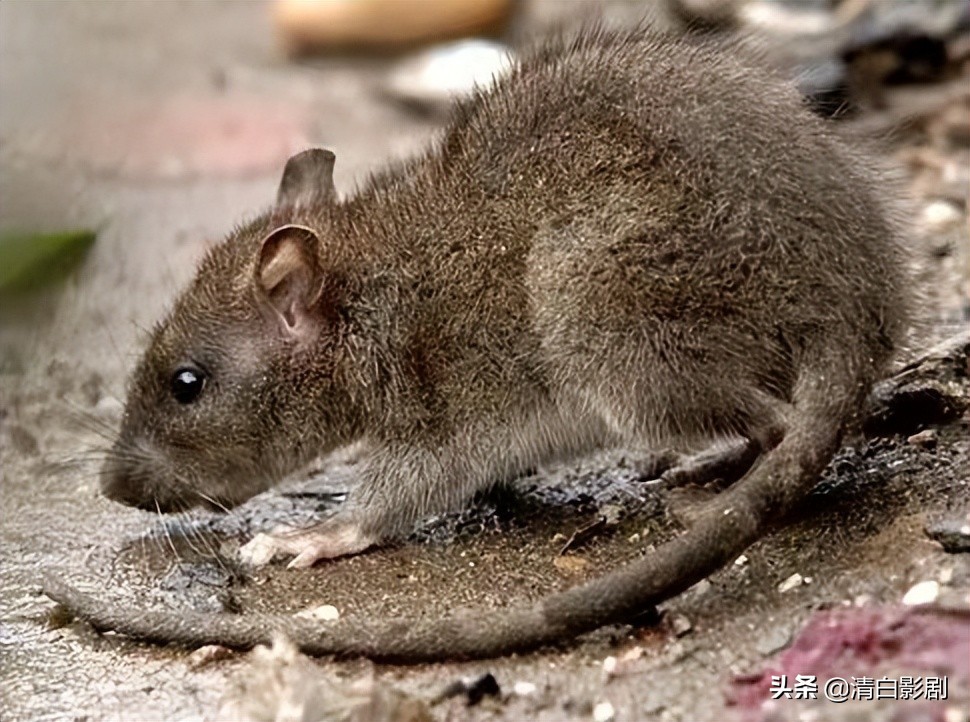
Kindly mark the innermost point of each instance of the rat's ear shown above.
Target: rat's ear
(288, 277)
(307, 176)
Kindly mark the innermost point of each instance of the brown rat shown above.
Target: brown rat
(630, 239)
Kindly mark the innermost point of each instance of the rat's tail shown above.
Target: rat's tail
(827, 394)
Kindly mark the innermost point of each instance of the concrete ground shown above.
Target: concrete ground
(162, 125)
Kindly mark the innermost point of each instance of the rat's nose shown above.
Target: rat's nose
(121, 482)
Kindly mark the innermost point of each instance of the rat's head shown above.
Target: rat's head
(232, 391)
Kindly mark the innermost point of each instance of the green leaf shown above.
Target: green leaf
(31, 260)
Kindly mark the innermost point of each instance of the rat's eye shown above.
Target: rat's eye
(187, 384)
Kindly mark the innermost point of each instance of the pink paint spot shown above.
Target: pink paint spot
(866, 642)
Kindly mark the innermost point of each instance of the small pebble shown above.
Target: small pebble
(773, 641)
(941, 216)
(570, 563)
(741, 561)
(925, 439)
(208, 654)
(323, 613)
(603, 712)
(258, 551)
(780, 19)
(952, 534)
(795, 580)
(680, 625)
(617, 666)
(922, 593)
(524, 689)
(701, 587)
(434, 77)
(611, 513)
(632, 654)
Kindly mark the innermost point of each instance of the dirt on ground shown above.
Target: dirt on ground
(161, 126)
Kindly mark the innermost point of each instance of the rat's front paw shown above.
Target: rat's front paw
(334, 538)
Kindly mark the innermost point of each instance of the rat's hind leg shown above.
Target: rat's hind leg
(651, 465)
(699, 478)
(723, 464)
(740, 423)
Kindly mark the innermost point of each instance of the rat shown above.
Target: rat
(628, 239)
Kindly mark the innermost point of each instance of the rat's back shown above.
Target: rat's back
(687, 234)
